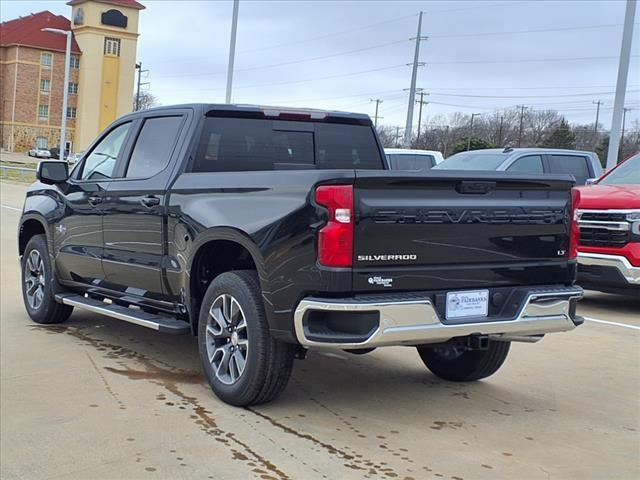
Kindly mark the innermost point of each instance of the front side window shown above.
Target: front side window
(46, 59)
(99, 164)
(45, 86)
(528, 164)
(242, 144)
(43, 112)
(575, 165)
(154, 146)
(112, 46)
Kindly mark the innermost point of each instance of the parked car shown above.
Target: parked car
(75, 157)
(609, 220)
(55, 152)
(582, 165)
(412, 160)
(39, 152)
(266, 232)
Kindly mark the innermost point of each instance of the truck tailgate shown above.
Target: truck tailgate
(451, 230)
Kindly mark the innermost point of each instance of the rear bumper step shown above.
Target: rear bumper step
(149, 320)
(415, 321)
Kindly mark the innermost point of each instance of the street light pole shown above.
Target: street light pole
(232, 49)
(65, 88)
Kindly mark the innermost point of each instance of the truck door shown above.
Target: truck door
(78, 236)
(134, 209)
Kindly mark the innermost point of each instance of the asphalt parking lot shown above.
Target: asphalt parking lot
(98, 398)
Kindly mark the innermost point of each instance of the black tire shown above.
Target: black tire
(451, 364)
(46, 310)
(268, 362)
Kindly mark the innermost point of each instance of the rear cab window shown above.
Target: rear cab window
(153, 146)
(576, 165)
(411, 162)
(229, 144)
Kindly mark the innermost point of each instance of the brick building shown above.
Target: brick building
(32, 67)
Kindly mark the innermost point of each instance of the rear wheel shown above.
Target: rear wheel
(37, 284)
(244, 365)
(455, 363)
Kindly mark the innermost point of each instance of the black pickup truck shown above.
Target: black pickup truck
(268, 231)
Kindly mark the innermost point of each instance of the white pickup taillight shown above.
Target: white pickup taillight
(335, 239)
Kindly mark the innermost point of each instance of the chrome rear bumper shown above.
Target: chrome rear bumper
(416, 321)
(630, 273)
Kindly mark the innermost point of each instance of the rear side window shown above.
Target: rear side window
(411, 162)
(575, 165)
(528, 164)
(242, 144)
(154, 146)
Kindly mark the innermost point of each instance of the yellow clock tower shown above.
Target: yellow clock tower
(107, 34)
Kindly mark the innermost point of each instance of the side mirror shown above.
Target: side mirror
(591, 181)
(52, 171)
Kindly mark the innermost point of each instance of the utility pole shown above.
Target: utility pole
(522, 109)
(621, 85)
(473, 115)
(140, 83)
(232, 49)
(499, 142)
(398, 136)
(595, 127)
(375, 118)
(421, 102)
(412, 90)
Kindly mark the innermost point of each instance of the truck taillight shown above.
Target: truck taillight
(574, 233)
(335, 240)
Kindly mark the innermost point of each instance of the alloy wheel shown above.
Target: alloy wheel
(227, 339)
(34, 279)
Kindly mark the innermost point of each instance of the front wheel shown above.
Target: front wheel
(454, 363)
(37, 284)
(244, 365)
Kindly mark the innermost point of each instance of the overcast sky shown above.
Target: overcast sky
(338, 54)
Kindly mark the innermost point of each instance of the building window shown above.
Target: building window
(112, 46)
(41, 142)
(43, 112)
(74, 62)
(73, 88)
(45, 86)
(46, 59)
(71, 112)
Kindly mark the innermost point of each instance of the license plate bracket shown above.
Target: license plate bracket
(467, 304)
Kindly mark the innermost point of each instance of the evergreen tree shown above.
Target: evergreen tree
(476, 144)
(561, 137)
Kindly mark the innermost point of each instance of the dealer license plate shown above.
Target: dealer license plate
(473, 303)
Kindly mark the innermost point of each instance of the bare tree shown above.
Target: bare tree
(147, 100)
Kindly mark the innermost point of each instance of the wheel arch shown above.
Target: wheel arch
(29, 227)
(214, 252)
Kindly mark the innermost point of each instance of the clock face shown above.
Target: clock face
(78, 18)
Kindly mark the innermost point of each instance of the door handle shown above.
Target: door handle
(150, 201)
(95, 201)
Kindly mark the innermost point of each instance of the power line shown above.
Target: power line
(292, 62)
(517, 32)
(531, 60)
(529, 96)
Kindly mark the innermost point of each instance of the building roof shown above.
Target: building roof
(28, 31)
(122, 3)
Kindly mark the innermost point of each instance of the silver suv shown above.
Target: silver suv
(582, 165)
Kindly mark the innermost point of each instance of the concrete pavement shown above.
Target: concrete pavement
(102, 399)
